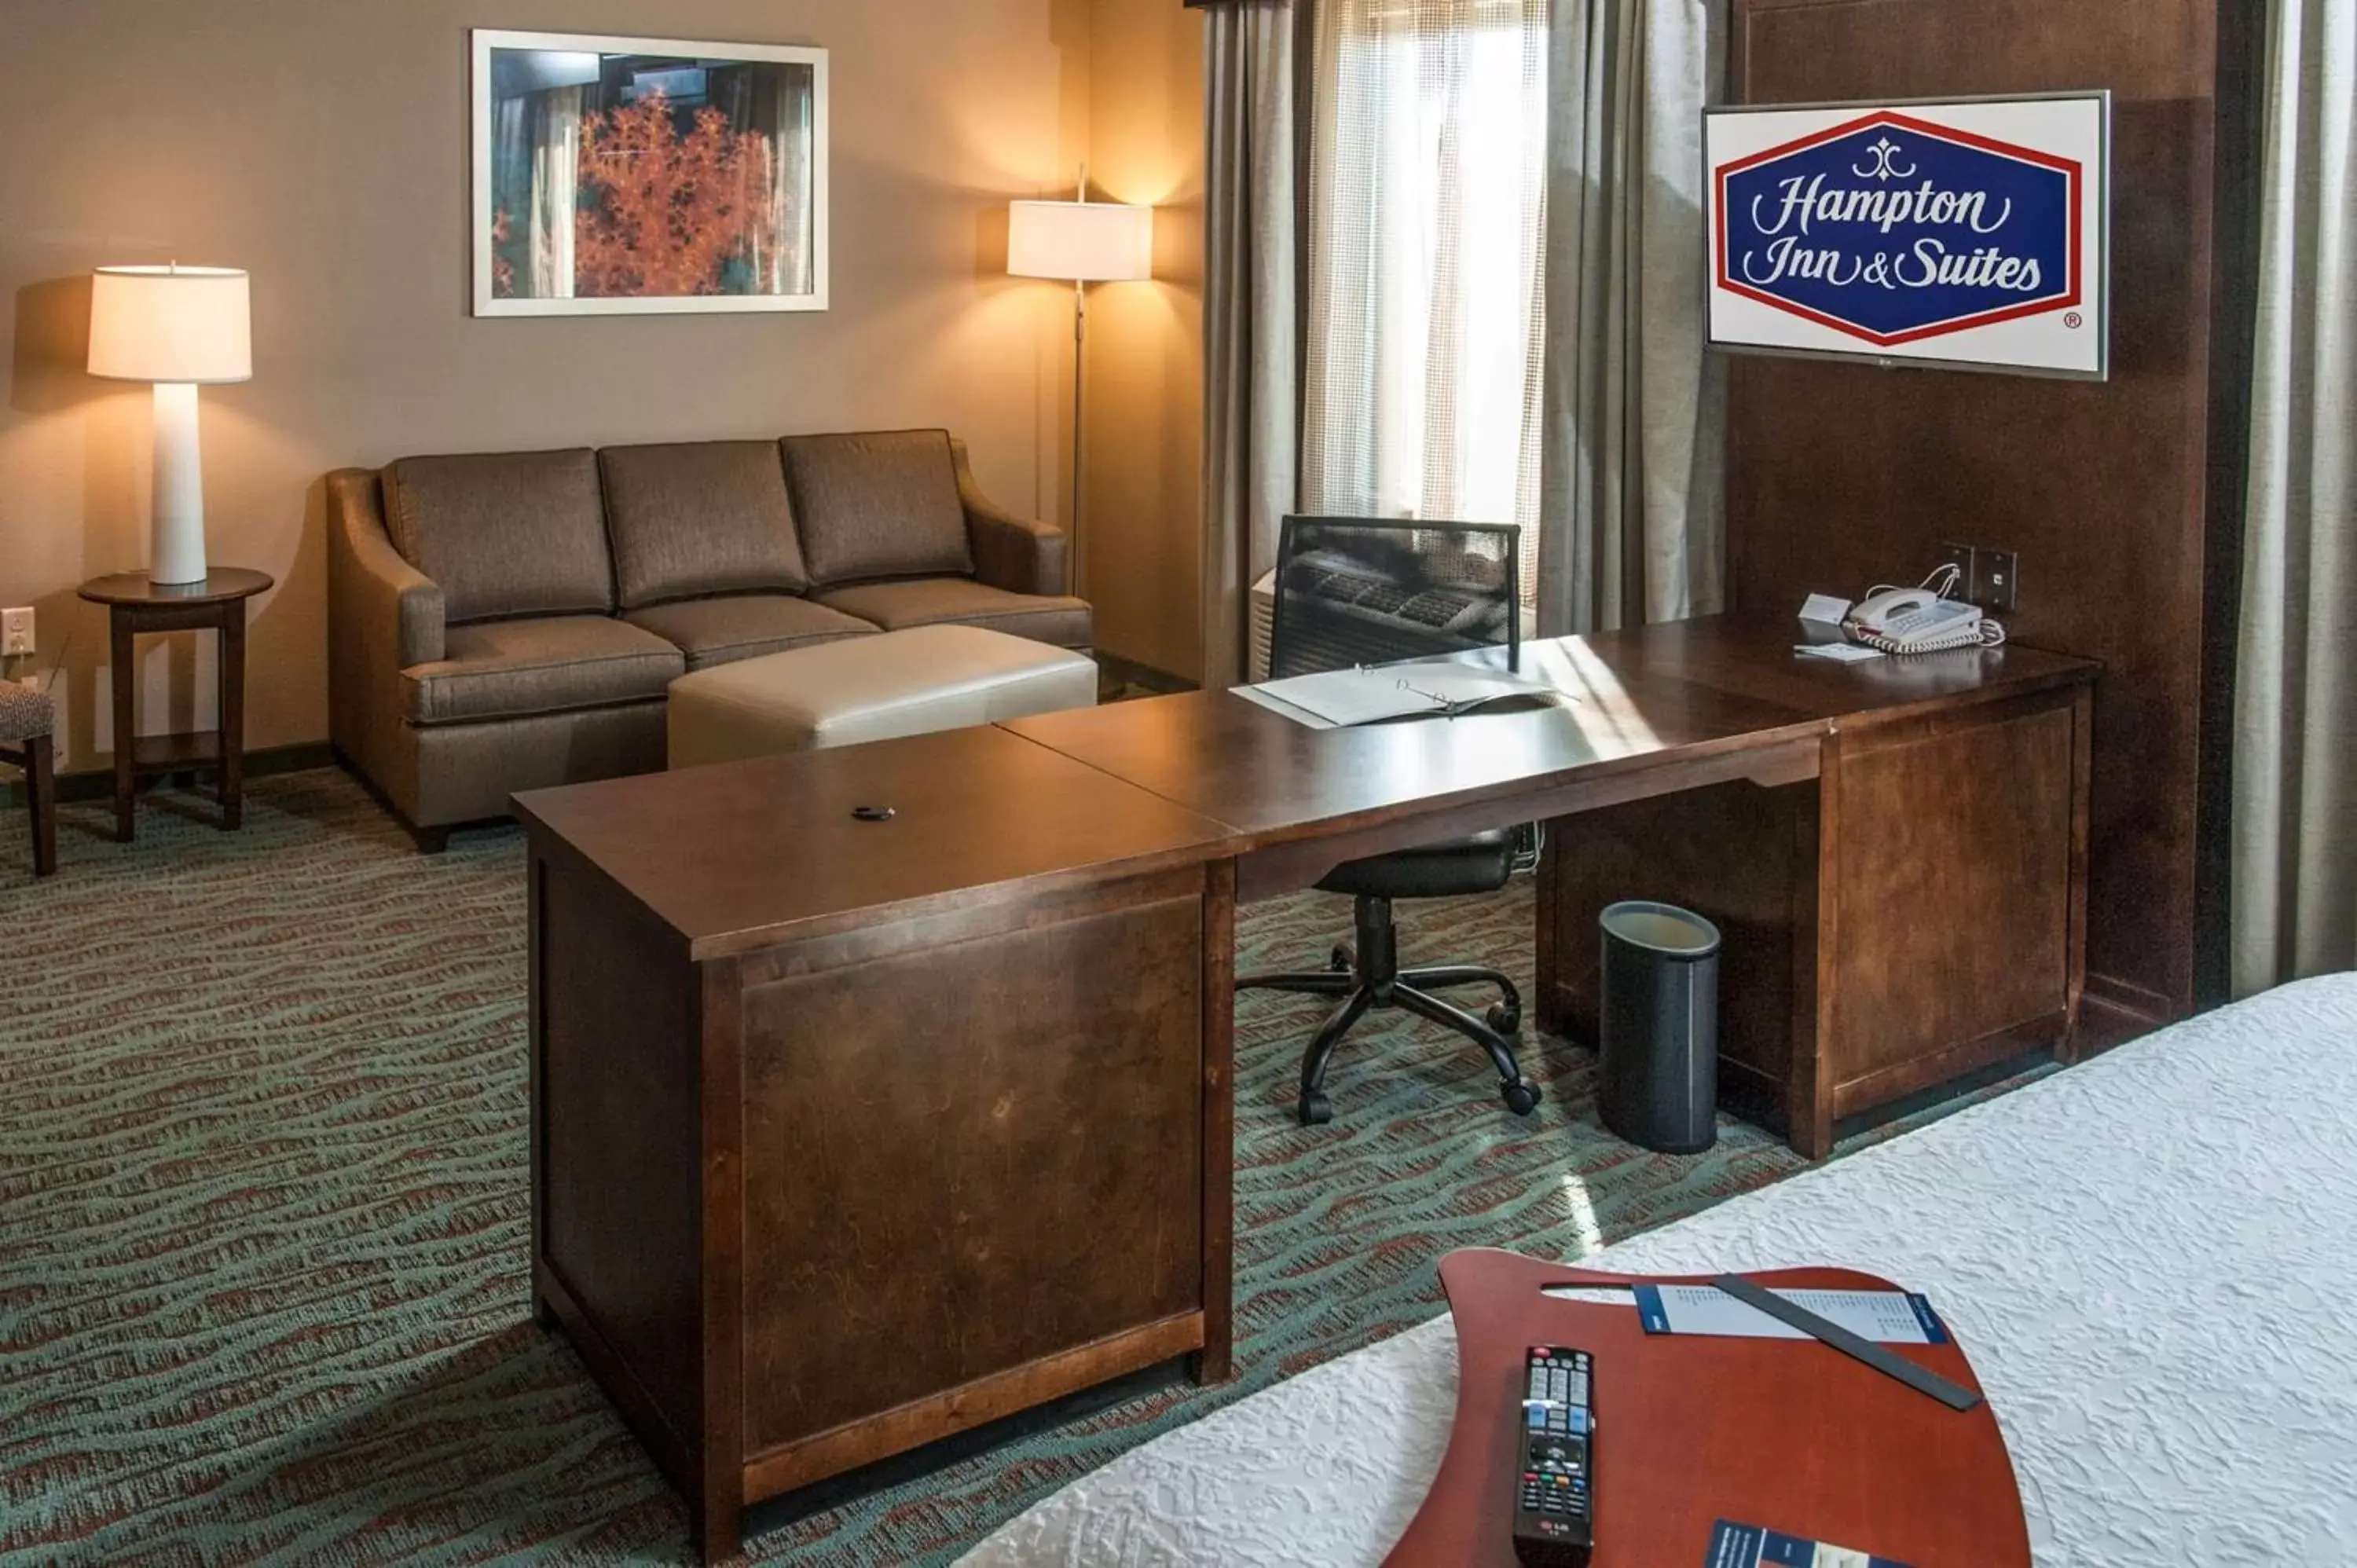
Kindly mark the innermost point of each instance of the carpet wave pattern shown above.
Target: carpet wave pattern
(264, 1215)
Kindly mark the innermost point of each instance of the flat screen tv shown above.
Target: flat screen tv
(1968, 232)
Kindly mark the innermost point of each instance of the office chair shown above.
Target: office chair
(1363, 591)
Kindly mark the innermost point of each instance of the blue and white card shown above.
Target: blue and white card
(1886, 1316)
(1736, 1545)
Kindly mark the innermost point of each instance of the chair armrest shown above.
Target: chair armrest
(1020, 555)
(384, 616)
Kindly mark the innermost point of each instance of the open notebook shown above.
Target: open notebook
(1336, 698)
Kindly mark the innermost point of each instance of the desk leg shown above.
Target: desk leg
(232, 783)
(121, 652)
(1214, 1363)
(1809, 1091)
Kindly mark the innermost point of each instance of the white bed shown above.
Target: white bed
(2152, 1258)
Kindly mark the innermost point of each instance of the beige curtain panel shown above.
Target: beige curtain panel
(1631, 506)
(1251, 401)
(2294, 764)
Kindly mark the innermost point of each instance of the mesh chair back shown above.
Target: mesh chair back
(1372, 590)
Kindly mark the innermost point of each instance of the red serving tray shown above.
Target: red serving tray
(1787, 1433)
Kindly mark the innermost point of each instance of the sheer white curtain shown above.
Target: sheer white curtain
(1427, 158)
(2295, 834)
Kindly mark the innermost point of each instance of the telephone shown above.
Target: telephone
(1921, 619)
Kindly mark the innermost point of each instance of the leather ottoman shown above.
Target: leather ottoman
(870, 688)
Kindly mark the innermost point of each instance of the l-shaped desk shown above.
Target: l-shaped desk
(851, 1135)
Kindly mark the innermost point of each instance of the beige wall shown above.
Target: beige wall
(322, 144)
(1145, 351)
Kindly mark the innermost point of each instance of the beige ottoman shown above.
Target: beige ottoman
(870, 688)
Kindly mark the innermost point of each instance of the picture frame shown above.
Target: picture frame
(622, 176)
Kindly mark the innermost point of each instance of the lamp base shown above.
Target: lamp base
(175, 546)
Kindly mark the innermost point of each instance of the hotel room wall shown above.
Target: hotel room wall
(1146, 355)
(323, 145)
(1841, 475)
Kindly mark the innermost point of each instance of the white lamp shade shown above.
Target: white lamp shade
(171, 324)
(1079, 241)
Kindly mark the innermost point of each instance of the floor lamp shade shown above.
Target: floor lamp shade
(1079, 241)
(178, 328)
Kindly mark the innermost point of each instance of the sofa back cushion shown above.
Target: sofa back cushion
(878, 504)
(698, 519)
(504, 533)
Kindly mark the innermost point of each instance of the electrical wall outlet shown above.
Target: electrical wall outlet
(16, 632)
(1994, 574)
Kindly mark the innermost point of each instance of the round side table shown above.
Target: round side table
(133, 605)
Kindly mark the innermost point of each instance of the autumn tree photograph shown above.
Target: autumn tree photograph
(637, 180)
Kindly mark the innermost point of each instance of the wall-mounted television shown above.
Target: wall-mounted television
(1969, 233)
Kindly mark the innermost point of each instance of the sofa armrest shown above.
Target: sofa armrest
(384, 616)
(1020, 555)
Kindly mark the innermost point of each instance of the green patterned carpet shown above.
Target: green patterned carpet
(262, 1209)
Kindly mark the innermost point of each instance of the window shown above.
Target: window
(1427, 163)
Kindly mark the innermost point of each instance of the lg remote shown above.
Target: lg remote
(1555, 1498)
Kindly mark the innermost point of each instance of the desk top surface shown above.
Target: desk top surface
(1682, 689)
(742, 853)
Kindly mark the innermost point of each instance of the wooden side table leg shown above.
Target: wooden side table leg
(233, 715)
(122, 641)
(41, 795)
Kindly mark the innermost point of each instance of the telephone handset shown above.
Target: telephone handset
(1921, 619)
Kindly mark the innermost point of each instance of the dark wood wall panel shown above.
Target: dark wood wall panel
(1843, 475)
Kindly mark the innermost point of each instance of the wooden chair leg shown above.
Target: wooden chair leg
(41, 795)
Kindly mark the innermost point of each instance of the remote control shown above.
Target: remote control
(1554, 1519)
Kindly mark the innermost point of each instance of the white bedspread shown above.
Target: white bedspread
(2152, 1260)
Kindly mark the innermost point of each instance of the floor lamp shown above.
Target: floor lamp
(1080, 242)
(180, 327)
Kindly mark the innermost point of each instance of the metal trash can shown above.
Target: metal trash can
(1658, 1027)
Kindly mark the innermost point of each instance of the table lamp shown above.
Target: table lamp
(1080, 242)
(180, 327)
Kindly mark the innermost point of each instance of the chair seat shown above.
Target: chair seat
(553, 664)
(1479, 863)
(24, 712)
(936, 601)
(745, 626)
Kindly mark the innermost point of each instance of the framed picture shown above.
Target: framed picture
(626, 175)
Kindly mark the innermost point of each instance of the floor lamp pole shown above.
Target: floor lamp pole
(1080, 568)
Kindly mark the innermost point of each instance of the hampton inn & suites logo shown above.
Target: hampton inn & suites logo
(1891, 230)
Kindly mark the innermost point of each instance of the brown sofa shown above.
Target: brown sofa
(504, 621)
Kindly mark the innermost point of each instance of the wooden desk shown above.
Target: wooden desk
(850, 1135)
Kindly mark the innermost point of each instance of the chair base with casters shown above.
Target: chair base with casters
(1369, 976)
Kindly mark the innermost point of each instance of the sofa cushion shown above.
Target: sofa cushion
(720, 631)
(878, 504)
(504, 533)
(510, 668)
(931, 601)
(705, 517)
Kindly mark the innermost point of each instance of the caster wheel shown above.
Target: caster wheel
(1339, 960)
(1506, 1017)
(1315, 1110)
(1522, 1096)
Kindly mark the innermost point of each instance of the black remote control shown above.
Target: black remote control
(1555, 1498)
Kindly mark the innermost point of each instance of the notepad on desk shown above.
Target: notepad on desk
(1336, 699)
